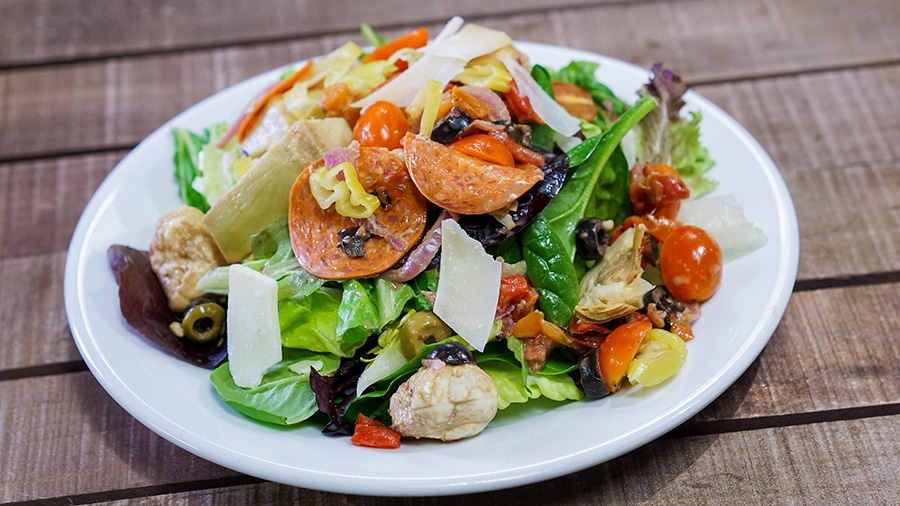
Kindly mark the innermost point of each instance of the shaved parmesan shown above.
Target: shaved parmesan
(442, 60)
(553, 114)
(468, 286)
(254, 337)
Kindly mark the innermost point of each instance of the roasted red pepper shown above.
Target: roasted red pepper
(374, 434)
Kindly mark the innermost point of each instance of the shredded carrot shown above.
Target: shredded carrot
(251, 118)
(414, 39)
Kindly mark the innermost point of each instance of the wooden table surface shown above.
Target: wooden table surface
(815, 419)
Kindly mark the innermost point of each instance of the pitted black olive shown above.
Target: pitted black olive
(591, 238)
(450, 126)
(451, 353)
(352, 240)
(591, 381)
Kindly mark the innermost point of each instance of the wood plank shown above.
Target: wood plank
(817, 121)
(834, 349)
(716, 40)
(92, 29)
(97, 448)
(35, 330)
(835, 244)
(64, 430)
(761, 36)
(116, 102)
(41, 201)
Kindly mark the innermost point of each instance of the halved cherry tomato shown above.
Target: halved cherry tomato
(381, 125)
(374, 434)
(574, 99)
(486, 148)
(690, 262)
(619, 349)
(414, 39)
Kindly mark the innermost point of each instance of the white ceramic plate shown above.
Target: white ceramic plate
(177, 401)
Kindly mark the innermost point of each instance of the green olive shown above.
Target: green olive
(420, 328)
(204, 322)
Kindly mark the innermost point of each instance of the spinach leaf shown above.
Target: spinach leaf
(551, 271)
(610, 198)
(187, 162)
(576, 195)
(427, 281)
(542, 77)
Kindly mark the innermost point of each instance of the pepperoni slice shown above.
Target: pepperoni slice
(398, 226)
(464, 184)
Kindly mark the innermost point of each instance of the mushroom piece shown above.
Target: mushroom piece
(449, 398)
(181, 252)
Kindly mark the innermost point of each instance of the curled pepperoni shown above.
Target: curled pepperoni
(464, 184)
(314, 231)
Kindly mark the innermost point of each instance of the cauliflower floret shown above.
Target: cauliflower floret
(446, 402)
(181, 252)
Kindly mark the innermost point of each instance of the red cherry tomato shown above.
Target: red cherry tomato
(486, 148)
(691, 263)
(381, 125)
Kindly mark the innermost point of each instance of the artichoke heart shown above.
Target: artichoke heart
(614, 287)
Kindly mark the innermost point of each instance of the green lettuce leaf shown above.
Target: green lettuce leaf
(391, 299)
(516, 383)
(214, 164)
(665, 136)
(274, 257)
(357, 314)
(284, 396)
(311, 323)
(689, 157)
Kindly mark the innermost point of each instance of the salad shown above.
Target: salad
(399, 242)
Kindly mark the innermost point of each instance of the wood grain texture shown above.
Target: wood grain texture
(826, 335)
(832, 350)
(33, 325)
(814, 420)
(117, 102)
(100, 450)
(63, 435)
(63, 30)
